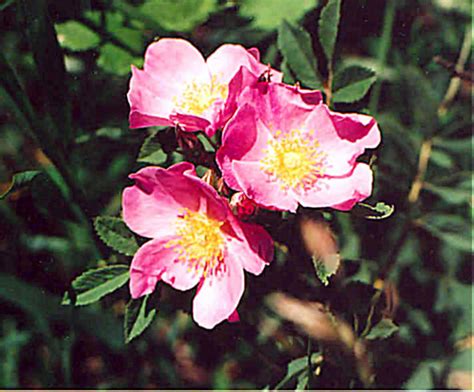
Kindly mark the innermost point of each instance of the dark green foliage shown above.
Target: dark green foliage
(382, 330)
(151, 151)
(92, 285)
(404, 282)
(19, 181)
(295, 45)
(352, 84)
(137, 318)
(115, 234)
(328, 27)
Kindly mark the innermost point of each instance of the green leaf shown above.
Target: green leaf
(377, 212)
(43, 308)
(452, 195)
(303, 380)
(116, 60)
(454, 300)
(463, 360)
(295, 45)
(151, 151)
(452, 229)
(296, 368)
(326, 268)
(19, 181)
(208, 147)
(328, 26)
(441, 159)
(352, 84)
(94, 284)
(423, 117)
(137, 318)
(365, 273)
(459, 146)
(182, 16)
(287, 74)
(382, 330)
(75, 36)
(114, 233)
(263, 18)
(5, 3)
(115, 29)
(423, 378)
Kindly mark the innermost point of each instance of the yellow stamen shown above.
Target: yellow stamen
(199, 243)
(293, 159)
(198, 97)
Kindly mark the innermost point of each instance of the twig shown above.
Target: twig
(328, 86)
(373, 304)
(455, 82)
(451, 67)
(417, 185)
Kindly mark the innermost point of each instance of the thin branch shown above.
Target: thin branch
(417, 185)
(455, 82)
(451, 67)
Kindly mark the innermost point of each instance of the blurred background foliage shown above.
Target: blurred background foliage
(64, 76)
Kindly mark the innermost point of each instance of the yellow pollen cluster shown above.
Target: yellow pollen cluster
(293, 160)
(200, 243)
(198, 97)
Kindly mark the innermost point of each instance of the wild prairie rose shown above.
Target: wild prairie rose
(281, 150)
(196, 240)
(178, 86)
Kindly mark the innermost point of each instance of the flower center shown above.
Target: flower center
(294, 160)
(200, 243)
(198, 97)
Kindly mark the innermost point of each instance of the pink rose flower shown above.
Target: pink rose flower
(178, 86)
(196, 240)
(282, 149)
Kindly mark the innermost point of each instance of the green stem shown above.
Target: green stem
(384, 46)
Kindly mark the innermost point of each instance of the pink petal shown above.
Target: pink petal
(259, 187)
(210, 202)
(310, 97)
(340, 153)
(256, 251)
(189, 122)
(254, 52)
(245, 138)
(341, 193)
(357, 128)
(170, 64)
(242, 79)
(218, 296)
(148, 264)
(227, 59)
(280, 107)
(149, 106)
(234, 317)
(152, 205)
(180, 276)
